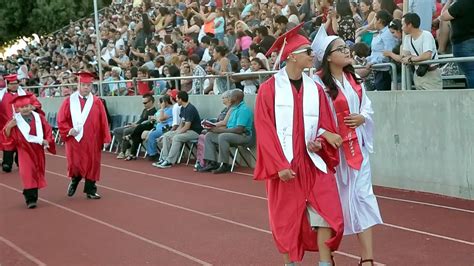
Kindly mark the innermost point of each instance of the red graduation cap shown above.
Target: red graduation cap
(287, 43)
(11, 77)
(85, 77)
(20, 101)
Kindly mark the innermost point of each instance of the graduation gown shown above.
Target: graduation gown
(31, 156)
(287, 201)
(84, 156)
(6, 111)
(358, 201)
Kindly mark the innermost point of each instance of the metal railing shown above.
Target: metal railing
(228, 77)
(406, 83)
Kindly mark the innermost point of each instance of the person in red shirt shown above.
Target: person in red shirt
(297, 156)
(30, 134)
(83, 125)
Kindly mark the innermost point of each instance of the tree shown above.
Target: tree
(25, 17)
(13, 19)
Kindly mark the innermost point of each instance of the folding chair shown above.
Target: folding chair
(192, 145)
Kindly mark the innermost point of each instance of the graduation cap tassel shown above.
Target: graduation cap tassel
(278, 59)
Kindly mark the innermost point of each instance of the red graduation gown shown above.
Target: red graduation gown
(287, 201)
(83, 158)
(31, 156)
(6, 111)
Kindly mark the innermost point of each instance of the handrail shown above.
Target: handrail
(227, 75)
(383, 66)
(447, 60)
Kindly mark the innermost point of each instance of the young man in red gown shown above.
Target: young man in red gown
(83, 125)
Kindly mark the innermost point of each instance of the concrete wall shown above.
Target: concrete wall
(424, 140)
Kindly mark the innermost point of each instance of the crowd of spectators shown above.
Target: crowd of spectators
(142, 39)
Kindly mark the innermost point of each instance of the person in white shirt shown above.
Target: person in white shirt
(419, 45)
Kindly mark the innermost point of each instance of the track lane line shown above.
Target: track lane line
(198, 212)
(22, 252)
(260, 197)
(124, 231)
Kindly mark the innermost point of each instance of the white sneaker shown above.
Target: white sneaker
(121, 155)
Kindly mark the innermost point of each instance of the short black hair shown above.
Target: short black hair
(195, 59)
(183, 96)
(343, 8)
(149, 96)
(281, 19)
(262, 30)
(384, 17)
(413, 19)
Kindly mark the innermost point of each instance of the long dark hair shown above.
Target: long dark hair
(326, 76)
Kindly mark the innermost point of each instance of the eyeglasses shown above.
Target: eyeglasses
(343, 49)
(307, 50)
(146, 102)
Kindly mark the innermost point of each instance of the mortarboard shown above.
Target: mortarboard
(20, 101)
(320, 44)
(11, 77)
(85, 77)
(287, 43)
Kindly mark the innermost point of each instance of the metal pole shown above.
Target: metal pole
(97, 45)
(404, 67)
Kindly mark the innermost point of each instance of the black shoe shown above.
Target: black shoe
(224, 168)
(31, 205)
(93, 196)
(209, 167)
(6, 168)
(71, 189)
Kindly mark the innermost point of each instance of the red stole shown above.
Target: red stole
(350, 144)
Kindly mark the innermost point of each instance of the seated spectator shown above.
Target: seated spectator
(189, 129)
(238, 131)
(143, 86)
(116, 89)
(198, 71)
(185, 71)
(135, 138)
(119, 133)
(221, 121)
(164, 120)
(419, 45)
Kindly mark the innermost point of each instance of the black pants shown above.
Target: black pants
(89, 185)
(136, 136)
(383, 81)
(31, 195)
(9, 156)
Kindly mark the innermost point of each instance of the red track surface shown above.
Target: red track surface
(150, 216)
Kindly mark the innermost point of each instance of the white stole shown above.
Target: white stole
(79, 118)
(284, 108)
(19, 91)
(25, 128)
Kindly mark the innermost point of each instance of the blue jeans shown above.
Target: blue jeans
(151, 147)
(463, 49)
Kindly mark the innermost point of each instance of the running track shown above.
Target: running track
(151, 216)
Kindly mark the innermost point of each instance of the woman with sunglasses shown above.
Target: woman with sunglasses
(352, 112)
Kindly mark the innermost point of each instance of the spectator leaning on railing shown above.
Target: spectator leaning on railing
(419, 45)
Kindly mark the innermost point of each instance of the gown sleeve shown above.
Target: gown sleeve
(270, 155)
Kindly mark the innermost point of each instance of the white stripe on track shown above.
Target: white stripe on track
(22, 252)
(149, 241)
(198, 212)
(260, 197)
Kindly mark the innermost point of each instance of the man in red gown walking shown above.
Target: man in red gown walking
(29, 133)
(82, 123)
(297, 156)
(7, 95)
